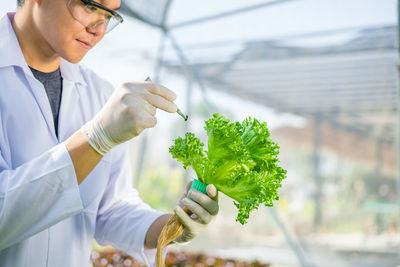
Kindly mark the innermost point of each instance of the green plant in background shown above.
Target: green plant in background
(241, 161)
(161, 188)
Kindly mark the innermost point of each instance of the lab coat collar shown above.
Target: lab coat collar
(11, 54)
(10, 51)
(71, 72)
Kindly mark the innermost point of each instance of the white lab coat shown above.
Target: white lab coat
(46, 219)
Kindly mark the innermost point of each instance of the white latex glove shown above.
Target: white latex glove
(130, 109)
(204, 209)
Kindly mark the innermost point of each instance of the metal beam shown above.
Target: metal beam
(125, 9)
(187, 128)
(144, 143)
(317, 174)
(286, 37)
(167, 7)
(228, 13)
(156, 78)
(189, 70)
(296, 248)
(398, 123)
(328, 115)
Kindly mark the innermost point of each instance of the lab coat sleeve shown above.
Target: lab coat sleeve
(123, 218)
(37, 195)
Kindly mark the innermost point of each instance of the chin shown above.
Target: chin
(75, 58)
(75, 61)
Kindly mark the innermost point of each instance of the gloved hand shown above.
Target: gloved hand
(130, 109)
(204, 209)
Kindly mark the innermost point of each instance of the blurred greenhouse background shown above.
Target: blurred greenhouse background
(322, 74)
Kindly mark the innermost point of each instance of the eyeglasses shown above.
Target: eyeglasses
(93, 15)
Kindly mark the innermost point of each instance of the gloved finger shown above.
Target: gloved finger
(151, 110)
(205, 201)
(188, 187)
(160, 102)
(147, 120)
(184, 238)
(185, 193)
(185, 219)
(212, 191)
(198, 210)
(161, 91)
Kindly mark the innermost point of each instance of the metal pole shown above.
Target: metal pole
(156, 78)
(228, 13)
(397, 137)
(186, 177)
(143, 144)
(190, 71)
(295, 247)
(317, 178)
(167, 6)
(379, 157)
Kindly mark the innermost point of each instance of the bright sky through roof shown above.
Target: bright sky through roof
(289, 18)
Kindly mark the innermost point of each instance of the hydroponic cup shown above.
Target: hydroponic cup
(198, 186)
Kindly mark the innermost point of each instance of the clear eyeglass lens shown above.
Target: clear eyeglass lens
(112, 24)
(91, 16)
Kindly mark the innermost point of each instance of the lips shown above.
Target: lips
(85, 44)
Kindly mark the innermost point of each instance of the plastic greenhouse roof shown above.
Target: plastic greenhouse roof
(350, 80)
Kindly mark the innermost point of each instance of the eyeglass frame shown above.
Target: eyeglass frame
(117, 16)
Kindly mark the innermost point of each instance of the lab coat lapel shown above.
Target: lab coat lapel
(69, 119)
(70, 116)
(42, 100)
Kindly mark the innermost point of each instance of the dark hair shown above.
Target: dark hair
(20, 2)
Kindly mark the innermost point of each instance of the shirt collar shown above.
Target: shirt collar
(71, 72)
(11, 54)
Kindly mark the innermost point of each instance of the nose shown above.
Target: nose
(97, 29)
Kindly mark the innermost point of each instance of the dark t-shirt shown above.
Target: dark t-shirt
(52, 82)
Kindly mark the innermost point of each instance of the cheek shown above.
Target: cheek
(62, 39)
(73, 51)
(56, 28)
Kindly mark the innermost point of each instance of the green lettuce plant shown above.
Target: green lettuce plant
(241, 161)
